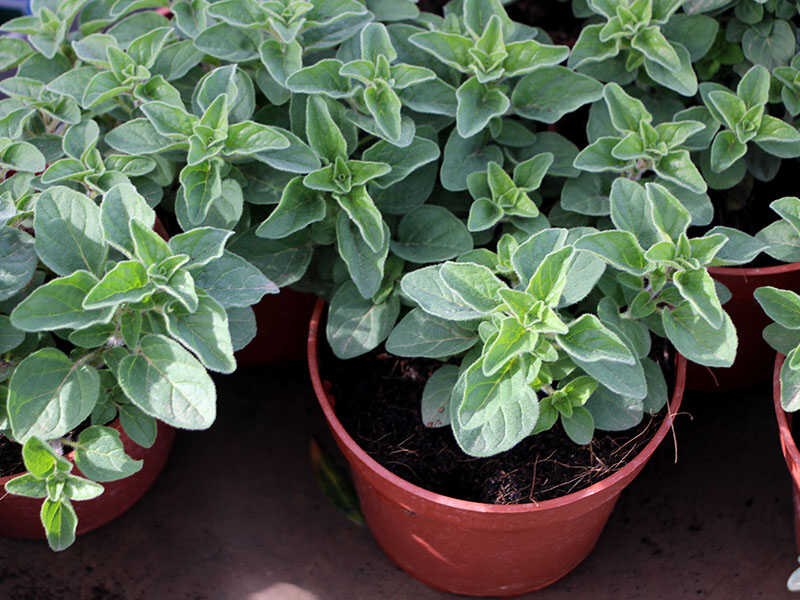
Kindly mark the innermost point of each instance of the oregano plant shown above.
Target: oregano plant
(458, 186)
(639, 146)
(530, 359)
(107, 319)
(744, 119)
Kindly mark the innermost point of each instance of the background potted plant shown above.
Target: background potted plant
(108, 329)
(533, 326)
(738, 57)
(124, 305)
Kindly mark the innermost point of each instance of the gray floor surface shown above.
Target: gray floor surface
(238, 515)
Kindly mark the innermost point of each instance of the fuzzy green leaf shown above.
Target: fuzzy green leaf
(167, 382)
(49, 395)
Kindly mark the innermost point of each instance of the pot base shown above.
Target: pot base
(500, 593)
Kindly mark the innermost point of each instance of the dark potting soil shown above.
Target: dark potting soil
(378, 402)
(10, 458)
(555, 17)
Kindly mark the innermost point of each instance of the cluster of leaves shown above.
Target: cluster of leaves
(533, 354)
(423, 173)
(144, 318)
(106, 327)
(783, 307)
(645, 34)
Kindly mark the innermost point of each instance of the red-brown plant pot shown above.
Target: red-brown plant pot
(472, 548)
(19, 517)
(754, 357)
(788, 445)
(282, 324)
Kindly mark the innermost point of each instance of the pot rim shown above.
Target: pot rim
(754, 271)
(378, 470)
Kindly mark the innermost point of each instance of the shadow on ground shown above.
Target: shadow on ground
(237, 515)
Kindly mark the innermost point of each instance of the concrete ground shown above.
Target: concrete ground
(238, 515)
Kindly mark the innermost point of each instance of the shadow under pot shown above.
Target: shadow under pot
(474, 548)
(19, 516)
(754, 356)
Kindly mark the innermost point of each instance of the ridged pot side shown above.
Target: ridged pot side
(473, 548)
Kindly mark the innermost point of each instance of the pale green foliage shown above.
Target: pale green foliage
(633, 37)
(655, 282)
(744, 120)
(458, 187)
(131, 303)
(781, 239)
(639, 146)
(487, 48)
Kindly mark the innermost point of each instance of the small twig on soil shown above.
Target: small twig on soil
(533, 482)
(401, 450)
(633, 439)
(574, 481)
(402, 464)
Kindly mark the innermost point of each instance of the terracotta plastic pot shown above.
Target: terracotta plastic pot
(473, 548)
(790, 451)
(281, 320)
(19, 517)
(754, 356)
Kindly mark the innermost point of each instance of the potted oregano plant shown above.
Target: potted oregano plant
(512, 320)
(109, 330)
(735, 63)
(517, 361)
(501, 227)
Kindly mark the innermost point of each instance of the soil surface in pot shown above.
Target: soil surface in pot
(378, 402)
(10, 458)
